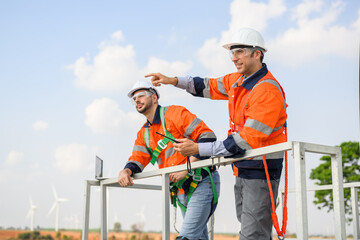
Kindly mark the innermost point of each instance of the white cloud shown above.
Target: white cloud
(316, 33)
(244, 13)
(316, 36)
(114, 68)
(14, 158)
(73, 157)
(170, 68)
(40, 126)
(104, 116)
(213, 57)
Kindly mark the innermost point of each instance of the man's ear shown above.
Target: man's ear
(154, 98)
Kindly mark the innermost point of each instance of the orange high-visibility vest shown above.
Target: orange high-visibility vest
(181, 124)
(257, 115)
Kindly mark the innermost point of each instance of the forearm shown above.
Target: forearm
(224, 148)
(186, 83)
(216, 148)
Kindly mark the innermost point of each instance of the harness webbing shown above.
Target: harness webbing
(196, 174)
(162, 144)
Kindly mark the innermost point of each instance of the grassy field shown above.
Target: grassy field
(95, 235)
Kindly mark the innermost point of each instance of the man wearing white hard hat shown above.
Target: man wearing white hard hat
(257, 118)
(194, 191)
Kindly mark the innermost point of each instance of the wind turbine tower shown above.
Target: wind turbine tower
(57, 206)
(31, 214)
(142, 218)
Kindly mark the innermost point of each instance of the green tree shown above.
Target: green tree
(58, 235)
(117, 227)
(351, 173)
(135, 228)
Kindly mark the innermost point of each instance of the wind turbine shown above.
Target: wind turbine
(57, 206)
(31, 214)
(76, 221)
(142, 218)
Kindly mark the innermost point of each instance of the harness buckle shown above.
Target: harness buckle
(162, 145)
(197, 178)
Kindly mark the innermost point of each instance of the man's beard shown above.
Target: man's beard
(144, 108)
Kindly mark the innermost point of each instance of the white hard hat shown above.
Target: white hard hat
(246, 37)
(143, 84)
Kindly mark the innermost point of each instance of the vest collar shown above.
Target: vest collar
(156, 119)
(250, 82)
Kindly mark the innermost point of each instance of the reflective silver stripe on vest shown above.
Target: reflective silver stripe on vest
(206, 135)
(271, 156)
(273, 82)
(192, 127)
(277, 128)
(166, 108)
(239, 80)
(138, 148)
(261, 127)
(137, 163)
(221, 87)
(206, 90)
(169, 152)
(159, 161)
(241, 142)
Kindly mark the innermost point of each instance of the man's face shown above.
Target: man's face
(245, 61)
(142, 100)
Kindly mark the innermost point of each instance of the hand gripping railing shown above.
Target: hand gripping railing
(298, 150)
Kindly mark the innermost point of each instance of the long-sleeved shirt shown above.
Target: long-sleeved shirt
(257, 108)
(181, 123)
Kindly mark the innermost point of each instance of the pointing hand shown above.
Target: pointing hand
(157, 79)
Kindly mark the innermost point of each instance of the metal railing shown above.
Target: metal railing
(354, 188)
(297, 149)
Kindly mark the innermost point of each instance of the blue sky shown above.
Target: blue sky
(65, 69)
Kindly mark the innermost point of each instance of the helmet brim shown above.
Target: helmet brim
(131, 93)
(229, 45)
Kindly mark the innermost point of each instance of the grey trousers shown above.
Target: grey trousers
(253, 207)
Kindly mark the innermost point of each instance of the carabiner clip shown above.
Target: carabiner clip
(188, 165)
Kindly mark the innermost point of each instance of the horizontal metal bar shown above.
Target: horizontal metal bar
(112, 182)
(93, 182)
(217, 161)
(221, 161)
(326, 187)
(317, 148)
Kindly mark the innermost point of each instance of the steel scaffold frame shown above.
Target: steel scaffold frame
(298, 150)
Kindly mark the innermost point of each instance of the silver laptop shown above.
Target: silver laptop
(98, 168)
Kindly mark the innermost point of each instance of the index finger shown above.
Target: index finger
(151, 75)
(181, 140)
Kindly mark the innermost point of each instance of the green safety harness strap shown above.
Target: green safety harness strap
(195, 174)
(163, 143)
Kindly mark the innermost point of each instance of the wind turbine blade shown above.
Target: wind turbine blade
(52, 208)
(62, 199)
(31, 202)
(141, 214)
(54, 191)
